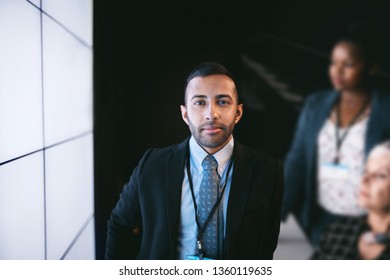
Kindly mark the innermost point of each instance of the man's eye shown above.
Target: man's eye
(223, 102)
(199, 102)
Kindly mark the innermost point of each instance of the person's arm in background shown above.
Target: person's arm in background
(125, 224)
(295, 164)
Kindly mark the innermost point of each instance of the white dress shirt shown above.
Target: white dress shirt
(187, 226)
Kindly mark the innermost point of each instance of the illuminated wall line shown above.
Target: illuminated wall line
(77, 236)
(50, 146)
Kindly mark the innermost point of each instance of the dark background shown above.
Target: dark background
(143, 51)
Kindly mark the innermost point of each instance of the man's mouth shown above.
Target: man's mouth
(212, 129)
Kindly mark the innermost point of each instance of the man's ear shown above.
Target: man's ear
(239, 113)
(184, 113)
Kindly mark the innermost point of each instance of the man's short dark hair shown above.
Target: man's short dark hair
(209, 68)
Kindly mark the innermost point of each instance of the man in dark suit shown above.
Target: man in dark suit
(166, 210)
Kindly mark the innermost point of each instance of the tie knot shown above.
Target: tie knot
(210, 163)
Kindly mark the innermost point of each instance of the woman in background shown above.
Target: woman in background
(334, 133)
(366, 237)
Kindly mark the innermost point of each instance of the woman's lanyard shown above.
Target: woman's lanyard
(202, 228)
(340, 140)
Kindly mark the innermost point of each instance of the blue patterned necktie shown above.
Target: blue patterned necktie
(208, 195)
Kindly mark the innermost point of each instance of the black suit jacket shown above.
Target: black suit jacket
(144, 223)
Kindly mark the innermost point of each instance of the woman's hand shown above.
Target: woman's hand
(368, 250)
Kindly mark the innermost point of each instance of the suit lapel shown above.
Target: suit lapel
(321, 114)
(174, 180)
(239, 191)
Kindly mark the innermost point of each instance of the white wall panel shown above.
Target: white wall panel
(76, 15)
(67, 84)
(22, 209)
(69, 192)
(36, 2)
(46, 99)
(84, 248)
(20, 79)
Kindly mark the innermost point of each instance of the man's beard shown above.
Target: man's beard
(211, 141)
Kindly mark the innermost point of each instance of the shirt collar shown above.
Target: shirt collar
(197, 154)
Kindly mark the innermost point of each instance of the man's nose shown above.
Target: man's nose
(211, 112)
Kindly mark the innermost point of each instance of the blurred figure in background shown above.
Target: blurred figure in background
(366, 237)
(334, 133)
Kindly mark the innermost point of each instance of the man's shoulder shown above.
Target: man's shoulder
(256, 155)
(159, 154)
(155, 159)
(162, 151)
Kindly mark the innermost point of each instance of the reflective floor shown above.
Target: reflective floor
(292, 244)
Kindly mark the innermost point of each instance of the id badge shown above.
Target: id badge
(196, 257)
(334, 172)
